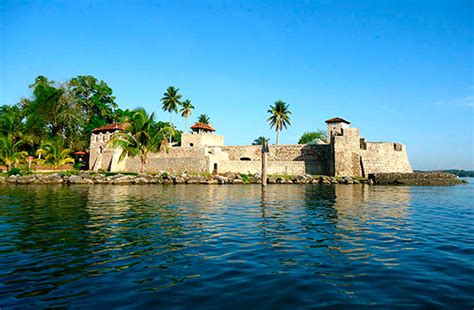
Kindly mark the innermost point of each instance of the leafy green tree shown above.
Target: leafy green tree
(165, 128)
(121, 115)
(140, 138)
(312, 137)
(94, 97)
(203, 118)
(279, 117)
(11, 122)
(53, 107)
(259, 141)
(171, 101)
(96, 102)
(186, 110)
(54, 153)
(10, 153)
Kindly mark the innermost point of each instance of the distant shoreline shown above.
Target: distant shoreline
(458, 172)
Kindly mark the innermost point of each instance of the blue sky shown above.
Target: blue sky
(399, 70)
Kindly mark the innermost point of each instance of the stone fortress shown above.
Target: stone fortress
(203, 151)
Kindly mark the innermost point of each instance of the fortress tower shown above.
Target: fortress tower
(336, 126)
(202, 135)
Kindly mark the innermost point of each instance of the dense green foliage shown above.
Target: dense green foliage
(58, 119)
(311, 137)
(141, 137)
(279, 117)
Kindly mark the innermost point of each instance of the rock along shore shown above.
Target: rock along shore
(415, 179)
(231, 178)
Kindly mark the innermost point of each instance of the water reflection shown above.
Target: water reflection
(176, 246)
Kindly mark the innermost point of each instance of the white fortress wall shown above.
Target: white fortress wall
(176, 160)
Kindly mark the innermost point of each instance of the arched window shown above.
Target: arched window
(215, 168)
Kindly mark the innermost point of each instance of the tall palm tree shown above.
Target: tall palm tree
(140, 137)
(186, 110)
(279, 117)
(171, 101)
(203, 118)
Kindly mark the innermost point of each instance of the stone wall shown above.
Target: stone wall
(201, 139)
(295, 159)
(273, 167)
(381, 157)
(290, 152)
(173, 165)
(176, 160)
(345, 150)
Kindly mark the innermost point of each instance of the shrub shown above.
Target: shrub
(78, 165)
(246, 177)
(14, 171)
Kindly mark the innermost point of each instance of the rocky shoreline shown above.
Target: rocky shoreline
(231, 178)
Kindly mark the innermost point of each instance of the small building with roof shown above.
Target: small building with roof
(201, 135)
(335, 126)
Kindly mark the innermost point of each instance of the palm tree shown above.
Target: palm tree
(259, 141)
(171, 101)
(186, 110)
(279, 117)
(55, 153)
(10, 154)
(203, 118)
(140, 137)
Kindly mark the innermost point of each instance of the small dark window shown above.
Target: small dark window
(215, 168)
(100, 149)
(191, 144)
(245, 159)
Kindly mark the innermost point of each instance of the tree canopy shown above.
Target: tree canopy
(203, 118)
(259, 141)
(58, 118)
(311, 137)
(279, 117)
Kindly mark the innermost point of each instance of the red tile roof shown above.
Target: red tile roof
(79, 153)
(201, 126)
(337, 120)
(111, 127)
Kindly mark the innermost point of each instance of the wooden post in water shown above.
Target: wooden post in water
(265, 151)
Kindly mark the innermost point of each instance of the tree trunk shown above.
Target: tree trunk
(143, 159)
(171, 125)
(278, 134)
(186, 126)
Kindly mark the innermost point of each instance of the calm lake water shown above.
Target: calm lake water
(201, 246)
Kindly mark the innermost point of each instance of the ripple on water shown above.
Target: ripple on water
(236, 246)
